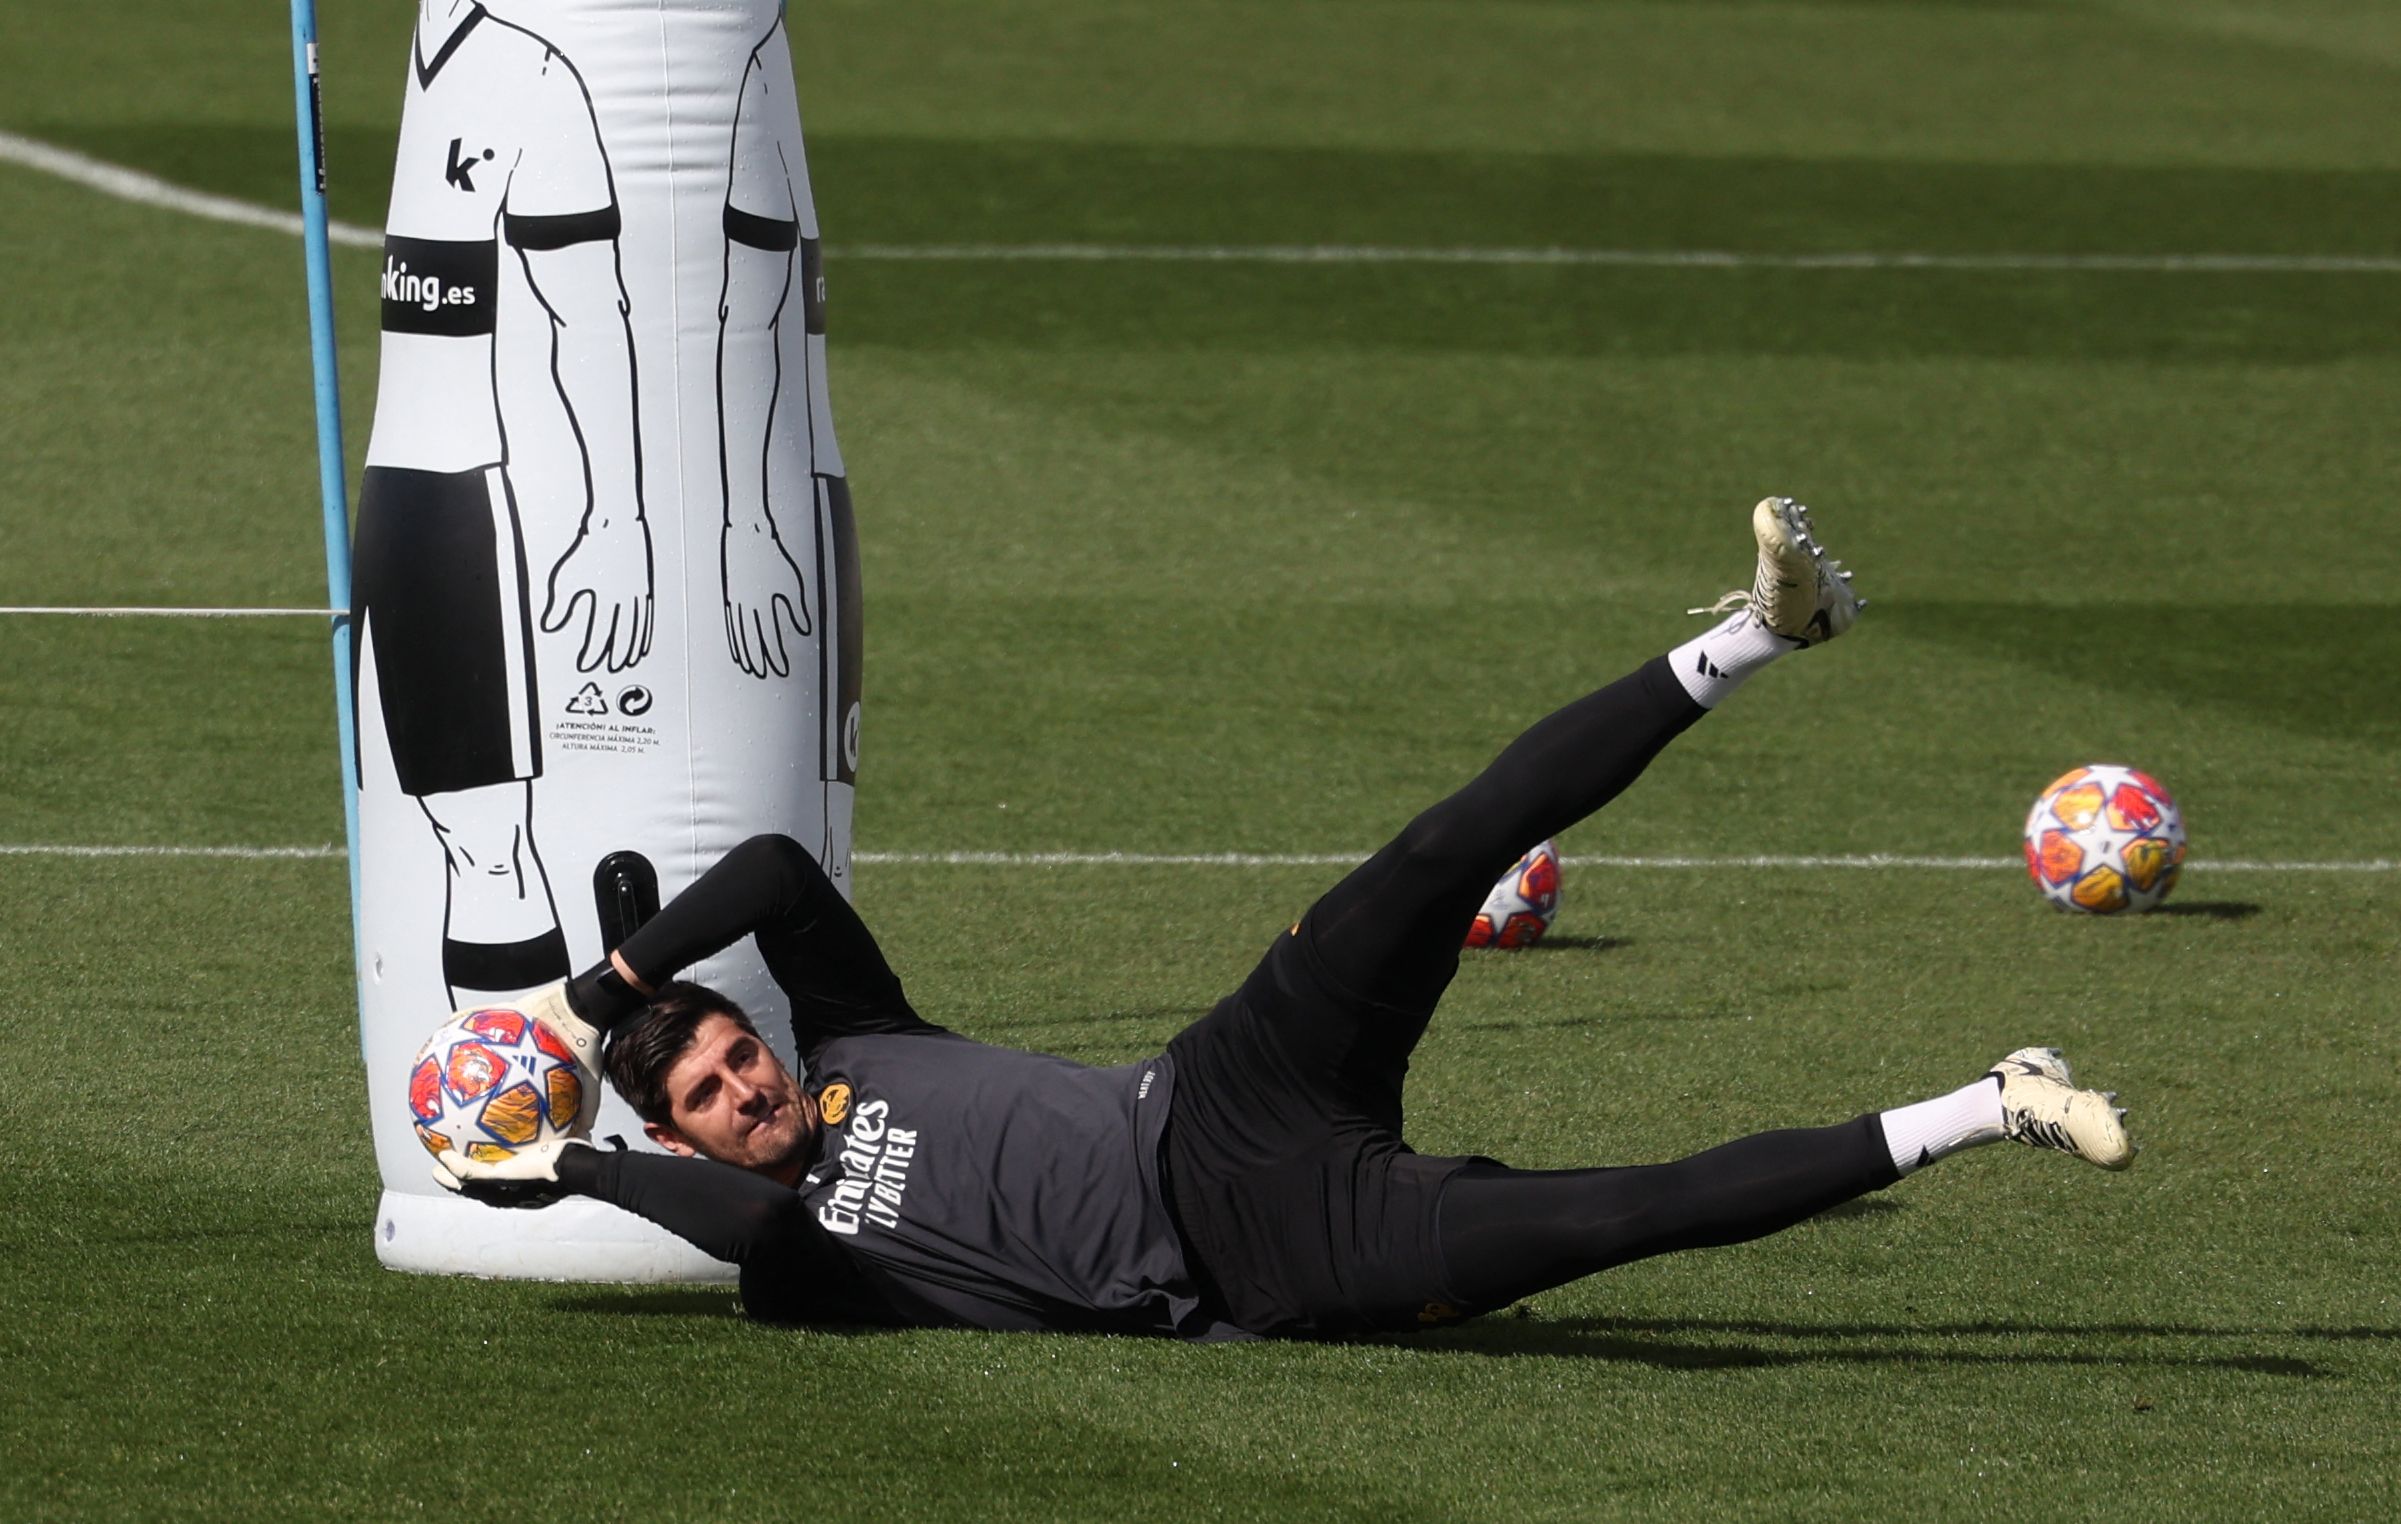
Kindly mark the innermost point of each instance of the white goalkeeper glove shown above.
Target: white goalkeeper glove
(548, 1005)
(527, 1178)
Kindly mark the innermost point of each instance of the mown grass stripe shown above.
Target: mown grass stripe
(149, 190)
(1673, 259)
(966, 859)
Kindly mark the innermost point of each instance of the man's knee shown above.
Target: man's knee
(1445, 845)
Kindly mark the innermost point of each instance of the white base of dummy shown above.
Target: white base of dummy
(573, 1240)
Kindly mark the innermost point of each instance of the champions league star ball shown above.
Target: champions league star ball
(1522, 905)
(2104, 839)
(490, 1082)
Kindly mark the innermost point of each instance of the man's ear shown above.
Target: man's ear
(669, 1139)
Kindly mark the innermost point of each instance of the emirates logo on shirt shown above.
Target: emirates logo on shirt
(875, 1161)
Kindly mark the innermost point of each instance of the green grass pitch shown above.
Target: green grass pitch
(1173, 557)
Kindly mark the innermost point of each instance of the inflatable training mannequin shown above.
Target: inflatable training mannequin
(605, 578)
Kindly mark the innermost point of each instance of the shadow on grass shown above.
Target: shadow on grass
(1579, 944)
(1703, 1344)
(1861, 1206)
(2212, 910)
(1708, 1343)
(714, 1305)
(2186, 651)
(1998, 1328)
(1611, 1018)
(1548, 1024)
(681, 1302)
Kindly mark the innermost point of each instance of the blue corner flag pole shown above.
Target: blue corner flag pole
(308, 112)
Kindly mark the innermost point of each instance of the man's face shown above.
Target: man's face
(731, 1098)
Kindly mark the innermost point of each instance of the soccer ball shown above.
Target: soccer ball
(1522, 905)
(490, 1082)
(2105, 838)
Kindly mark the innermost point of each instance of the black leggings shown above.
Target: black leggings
(1391, 932)
(1509, 1233)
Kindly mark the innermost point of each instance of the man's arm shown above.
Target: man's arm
(725, 1212)
(817, 949)
(730, 1214)
(791, 1268)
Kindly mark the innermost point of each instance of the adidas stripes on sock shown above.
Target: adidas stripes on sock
(1714, 664)
(1920, 1134)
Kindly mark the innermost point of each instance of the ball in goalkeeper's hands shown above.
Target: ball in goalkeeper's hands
(493, 1081)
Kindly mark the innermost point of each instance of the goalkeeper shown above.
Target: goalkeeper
(1252, 1179)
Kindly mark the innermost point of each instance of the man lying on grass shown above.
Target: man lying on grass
(1252, 1179)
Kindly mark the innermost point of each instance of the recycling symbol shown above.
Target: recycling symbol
(588, 701)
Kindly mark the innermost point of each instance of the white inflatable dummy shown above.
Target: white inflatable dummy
(605, 580)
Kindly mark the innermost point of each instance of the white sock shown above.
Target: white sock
(1918, 1135)
(1714, 663)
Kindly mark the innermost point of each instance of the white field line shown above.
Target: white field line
(247, 854)
(148, 190)
(165, 613)
(1671, 259)
(1877, 861)
(1706, 862)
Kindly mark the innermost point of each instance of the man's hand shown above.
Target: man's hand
(527, 1178)
(548, 1006)
(764, 592)
(606, 574)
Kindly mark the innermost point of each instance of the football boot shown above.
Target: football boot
(2041, 1107)
(1797, 592)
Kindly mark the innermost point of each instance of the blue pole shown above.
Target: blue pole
(309, 113)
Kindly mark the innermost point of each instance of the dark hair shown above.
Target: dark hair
(642, 1050)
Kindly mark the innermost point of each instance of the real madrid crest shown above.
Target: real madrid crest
(833, 1103)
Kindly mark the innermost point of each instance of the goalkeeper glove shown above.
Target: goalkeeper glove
(548, 1005)
(527, 1178)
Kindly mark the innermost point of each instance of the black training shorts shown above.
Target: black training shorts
(438, 588)
(1303, 1211)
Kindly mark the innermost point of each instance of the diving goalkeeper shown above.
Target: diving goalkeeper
(1251, 1180)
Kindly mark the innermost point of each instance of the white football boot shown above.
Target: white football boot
(2041, 1106)
(2050, 1063)
(1797, 592)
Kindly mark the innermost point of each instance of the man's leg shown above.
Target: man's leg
(1301, 1207)
(1508, 1234)
(1391, 931)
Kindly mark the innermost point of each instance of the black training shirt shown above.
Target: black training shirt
(954, 1182)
